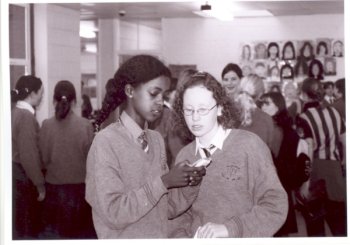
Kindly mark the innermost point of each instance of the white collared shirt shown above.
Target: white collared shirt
(25, 105)
(132, 127)
(217, 141)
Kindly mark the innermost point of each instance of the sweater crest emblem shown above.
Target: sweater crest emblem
(232, 172)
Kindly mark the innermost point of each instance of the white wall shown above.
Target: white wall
(211, 44)
(57, 52)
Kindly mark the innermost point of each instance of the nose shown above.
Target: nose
(195, 116)
(160, 100)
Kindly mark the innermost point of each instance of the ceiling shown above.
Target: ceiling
(184, 9)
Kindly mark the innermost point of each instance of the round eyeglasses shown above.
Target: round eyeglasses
(200, 111)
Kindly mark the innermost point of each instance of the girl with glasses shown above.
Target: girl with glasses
(240, 196)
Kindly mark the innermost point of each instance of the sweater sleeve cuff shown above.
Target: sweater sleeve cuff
(234, 227)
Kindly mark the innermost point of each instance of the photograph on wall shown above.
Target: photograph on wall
(338, 48)
(273, 51)
(288, 50)
(260, 50)
(330, 66)
(247, 68)
(323, 47)
(260, 68)
(246, 52)
(306, 50)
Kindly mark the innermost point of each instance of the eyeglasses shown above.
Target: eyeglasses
(200, 111)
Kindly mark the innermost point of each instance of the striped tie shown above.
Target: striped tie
(142, 139)
(207, 151)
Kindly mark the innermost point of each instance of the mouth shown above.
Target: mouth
(157, 112)
(196, 127)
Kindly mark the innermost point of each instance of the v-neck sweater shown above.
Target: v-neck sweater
(124, 186)
(241, 188)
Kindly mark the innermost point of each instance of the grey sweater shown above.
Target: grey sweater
(25, 148)
(64, 146)
(240, 190)
(124, 188)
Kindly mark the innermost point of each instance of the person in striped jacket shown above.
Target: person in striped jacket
(324, 130)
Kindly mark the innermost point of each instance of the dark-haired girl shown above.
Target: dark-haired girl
(65, 140)
(128, 183)
(28, 179)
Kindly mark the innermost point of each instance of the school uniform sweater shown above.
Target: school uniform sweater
(240, 189)
(262, 125)
(25, 149)
(64, 146)
(124, 186)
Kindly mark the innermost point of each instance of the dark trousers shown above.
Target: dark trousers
(26, 222)
(329, 204)
(335, 216)
(66, 214)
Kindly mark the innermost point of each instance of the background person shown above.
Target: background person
(64, 142)
(27, 177)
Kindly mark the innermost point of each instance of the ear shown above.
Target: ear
(220, 108)
(129, 90)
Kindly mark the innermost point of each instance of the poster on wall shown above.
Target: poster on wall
(306, 50)
(288, 50)
(330, 66)
(323, 47)
(338, 48)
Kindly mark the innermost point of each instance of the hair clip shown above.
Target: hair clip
(63, 97)
(16, 91)
(27, 90)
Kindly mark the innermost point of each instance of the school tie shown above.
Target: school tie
(142, 139)
(208, 151)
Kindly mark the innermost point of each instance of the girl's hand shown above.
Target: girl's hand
(183, 175)
(212, 230)
(41, 192)
(304, 189)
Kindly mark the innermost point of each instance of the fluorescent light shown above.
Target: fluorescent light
(87, 29)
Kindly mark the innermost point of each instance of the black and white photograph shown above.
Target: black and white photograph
(154, 121)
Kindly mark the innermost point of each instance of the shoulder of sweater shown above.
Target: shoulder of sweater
(261, 115)
(243, 137)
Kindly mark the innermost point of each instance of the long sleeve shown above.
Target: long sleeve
(270, 201)
(117, 202)
(27, 143)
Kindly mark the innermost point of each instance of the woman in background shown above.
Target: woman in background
(86, 107)
(231, 77)
(28, 180)
(65, 140)
(286, 140)
(253, 118)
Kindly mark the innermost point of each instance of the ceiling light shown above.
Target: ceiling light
(216, 12)
(205, 7)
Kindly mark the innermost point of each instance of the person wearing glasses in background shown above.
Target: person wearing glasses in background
(241, 195)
